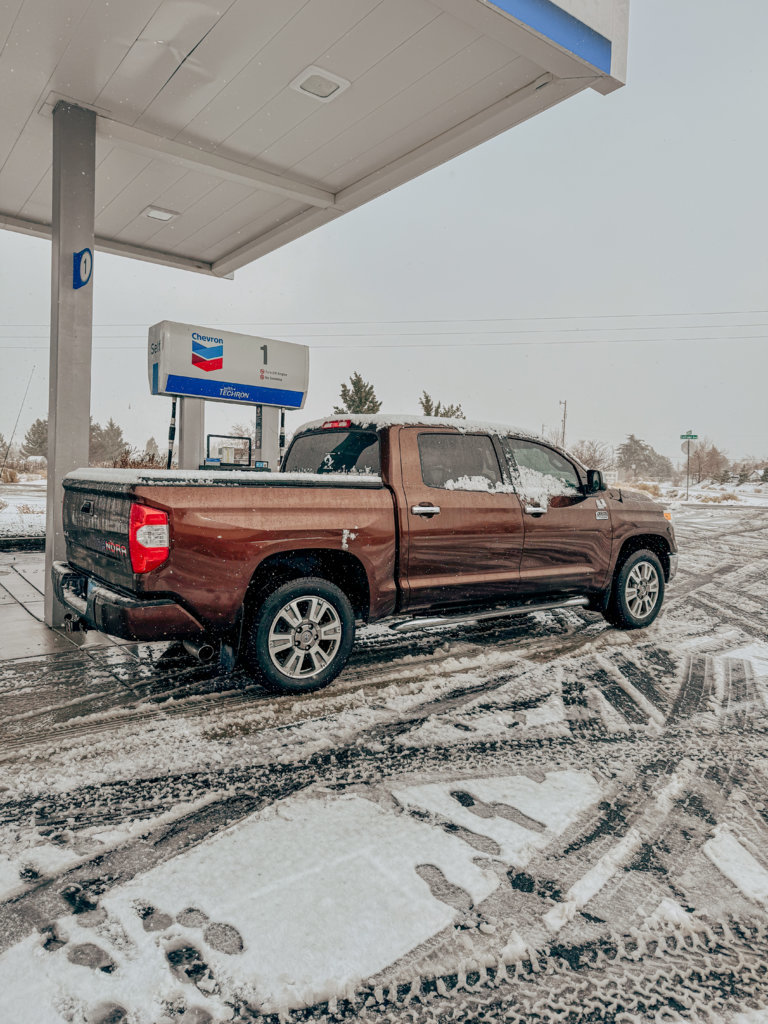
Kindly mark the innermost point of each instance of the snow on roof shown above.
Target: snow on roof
(381, 420)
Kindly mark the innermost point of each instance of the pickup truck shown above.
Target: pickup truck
(416, 520)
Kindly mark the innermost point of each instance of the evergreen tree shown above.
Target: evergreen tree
(107, 444)
(637, 460)
(36, 439)
(431, 408)
(358, 397)
(151, 448)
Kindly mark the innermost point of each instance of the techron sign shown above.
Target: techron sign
(204, 362)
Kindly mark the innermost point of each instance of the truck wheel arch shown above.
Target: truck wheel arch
(339, 567)
(650, 541)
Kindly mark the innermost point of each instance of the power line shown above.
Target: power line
(444, 333)
(457, 344)
(455, 320)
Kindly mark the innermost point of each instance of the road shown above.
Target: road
(599, 797)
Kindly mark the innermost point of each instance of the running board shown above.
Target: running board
(497, 613)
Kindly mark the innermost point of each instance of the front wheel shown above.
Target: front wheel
(637, 592)
(301, 636)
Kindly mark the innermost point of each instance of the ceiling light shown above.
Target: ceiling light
(157, 213)
(319, 84)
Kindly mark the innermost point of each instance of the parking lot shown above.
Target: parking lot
(548, 819)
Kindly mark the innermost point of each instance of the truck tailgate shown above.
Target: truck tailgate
(96, 518)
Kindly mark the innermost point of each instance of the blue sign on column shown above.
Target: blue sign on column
(82, 265)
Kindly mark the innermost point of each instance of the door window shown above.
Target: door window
(544, 473)
(459, 462)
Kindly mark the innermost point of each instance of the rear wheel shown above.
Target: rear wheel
(637, 592)
(301, 636)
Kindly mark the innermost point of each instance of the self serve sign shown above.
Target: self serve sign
(203, 362)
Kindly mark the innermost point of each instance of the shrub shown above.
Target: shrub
(9, 476)
(653, 489)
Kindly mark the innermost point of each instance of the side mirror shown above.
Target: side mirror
(595, 481)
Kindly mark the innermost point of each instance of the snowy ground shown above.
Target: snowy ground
(22, 508)
(750, 495)
(544, 820)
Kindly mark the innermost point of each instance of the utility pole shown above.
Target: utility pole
(565, 413)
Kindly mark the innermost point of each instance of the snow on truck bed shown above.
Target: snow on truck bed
(229, 478)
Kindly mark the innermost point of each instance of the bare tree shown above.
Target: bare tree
(594, 454)
(708, 462)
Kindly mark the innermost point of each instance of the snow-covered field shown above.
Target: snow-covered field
(534, 821)
(22, 508)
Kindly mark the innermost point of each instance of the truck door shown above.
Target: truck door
(567, 532)
(462, 527)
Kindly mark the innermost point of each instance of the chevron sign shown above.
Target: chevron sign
(207, 353)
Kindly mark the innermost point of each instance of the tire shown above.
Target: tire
(638, 591)
(301, 636)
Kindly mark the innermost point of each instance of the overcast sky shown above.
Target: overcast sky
(611, 252)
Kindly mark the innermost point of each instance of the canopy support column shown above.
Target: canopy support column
(191, 432)
(69, 396)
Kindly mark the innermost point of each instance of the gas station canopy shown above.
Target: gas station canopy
(226, 128)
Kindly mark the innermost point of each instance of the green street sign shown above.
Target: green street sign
(689, 437)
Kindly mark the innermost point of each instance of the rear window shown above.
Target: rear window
(334, 451)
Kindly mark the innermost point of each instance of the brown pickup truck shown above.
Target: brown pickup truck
(425, 521)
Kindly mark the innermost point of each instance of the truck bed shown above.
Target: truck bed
(223, 526)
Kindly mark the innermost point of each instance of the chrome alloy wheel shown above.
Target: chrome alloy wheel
(642, 589)
(304, 637)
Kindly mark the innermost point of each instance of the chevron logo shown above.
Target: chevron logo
(207, 353)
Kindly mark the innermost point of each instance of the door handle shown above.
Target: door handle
(534, 510)
(425, 510)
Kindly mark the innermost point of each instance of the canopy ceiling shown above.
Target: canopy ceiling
(251, 123)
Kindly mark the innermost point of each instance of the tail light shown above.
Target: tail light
(148, 537)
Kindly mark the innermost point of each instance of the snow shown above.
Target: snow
(207, 478)
(556, 803)
(478, 483)
(738, 865)
(747, 495)
(337, 873)
(382, 420)
(540, 487)
(328, 891)
(22, 509)
(586, 887)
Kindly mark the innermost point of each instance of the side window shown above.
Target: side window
(543, 473)
(459, 462)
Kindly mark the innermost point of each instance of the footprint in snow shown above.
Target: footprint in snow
(88, 954)
(108, 1013)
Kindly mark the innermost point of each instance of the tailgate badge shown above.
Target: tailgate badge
(113, 548)
(601, 514)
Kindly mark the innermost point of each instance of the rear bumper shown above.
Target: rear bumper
(102, 608)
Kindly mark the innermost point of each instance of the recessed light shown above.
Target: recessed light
(157, 213)
(319, 84)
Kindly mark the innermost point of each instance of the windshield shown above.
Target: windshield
(334, 451)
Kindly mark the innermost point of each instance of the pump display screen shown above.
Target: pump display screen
(334, 451)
